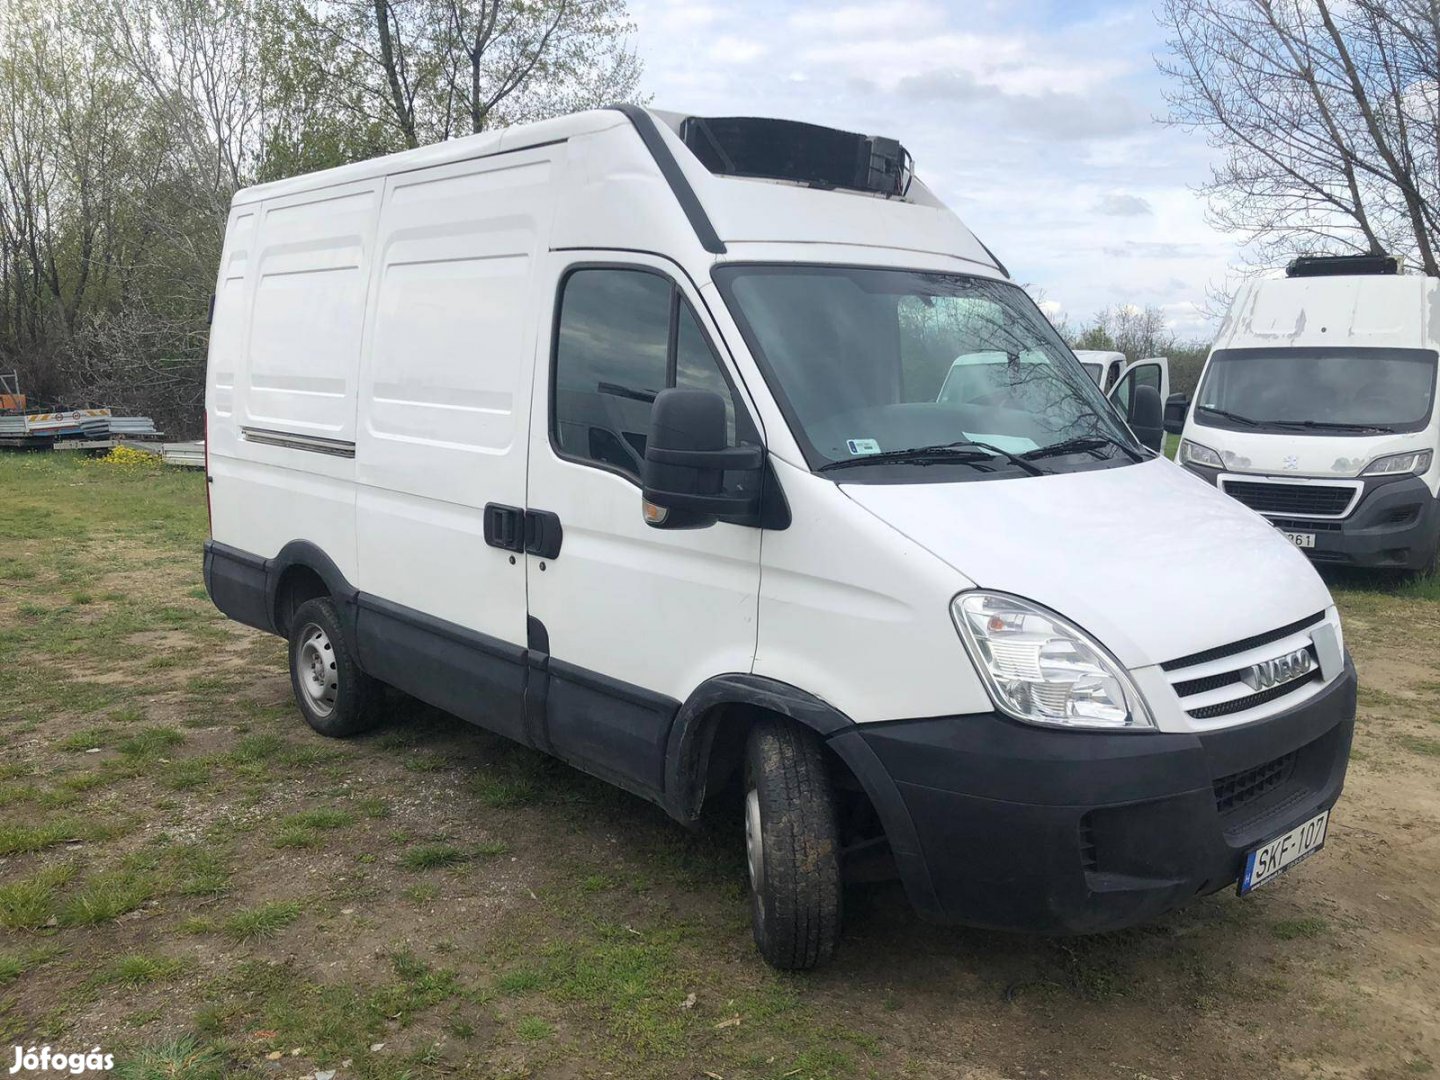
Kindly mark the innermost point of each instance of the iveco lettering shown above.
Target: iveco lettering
(717, 458)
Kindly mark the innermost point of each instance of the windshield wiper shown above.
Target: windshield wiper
(958, 452)
(1228, 415)
(1329, 425)
(1082, 444)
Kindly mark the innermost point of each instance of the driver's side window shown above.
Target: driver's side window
(622, 336)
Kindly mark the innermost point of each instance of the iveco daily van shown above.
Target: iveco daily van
(1316, 408)
(640, 439)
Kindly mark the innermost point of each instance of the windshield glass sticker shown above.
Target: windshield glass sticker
(862, 446)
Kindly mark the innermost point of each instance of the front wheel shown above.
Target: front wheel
(334, 695)
(791, 847)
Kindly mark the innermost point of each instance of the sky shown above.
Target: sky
(1035, 120)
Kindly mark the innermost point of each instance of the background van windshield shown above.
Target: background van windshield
(868, 361)
(1393, 388)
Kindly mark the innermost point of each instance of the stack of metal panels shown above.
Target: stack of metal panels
(190, 455)
(132, 426)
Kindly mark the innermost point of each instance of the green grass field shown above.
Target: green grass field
(192, 879)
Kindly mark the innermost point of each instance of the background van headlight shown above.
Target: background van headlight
(1192, 453)
(1044, 670)
(1412, 461)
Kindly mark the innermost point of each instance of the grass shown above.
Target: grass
(1308, 926)
(212, 820)
(137, 969)
(432, 857)
(19, 839)
(533, 1028)
(263, 921)
(176, 1059)
(29, 902)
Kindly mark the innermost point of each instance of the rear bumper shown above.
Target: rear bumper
(1396, 525)
(1016, 827)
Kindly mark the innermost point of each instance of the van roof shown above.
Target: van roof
(722, 209)
(1380, 311)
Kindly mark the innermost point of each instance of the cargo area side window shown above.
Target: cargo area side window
(622, 337)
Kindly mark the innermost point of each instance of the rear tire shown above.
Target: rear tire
(792, 847)
(335, 697)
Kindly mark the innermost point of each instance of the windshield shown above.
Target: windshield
(900, 365)
(1334, 388)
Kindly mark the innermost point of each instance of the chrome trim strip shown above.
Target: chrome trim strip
(1357, 488)
(290, 440)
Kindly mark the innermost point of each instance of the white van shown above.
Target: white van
(626, 435)
(1316, 408)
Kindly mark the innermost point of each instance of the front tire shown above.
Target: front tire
(335, 697)
(791, 847)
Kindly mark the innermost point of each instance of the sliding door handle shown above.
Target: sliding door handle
(543, 533)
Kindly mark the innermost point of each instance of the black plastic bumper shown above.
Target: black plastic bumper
(1002, 824)
(1395, 526)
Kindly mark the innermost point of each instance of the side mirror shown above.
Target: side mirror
(1175, 409)
(686, 458)
(1147, 417)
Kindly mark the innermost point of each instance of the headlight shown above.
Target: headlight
(1041, 669)
(1192, 453)
(1412, 461)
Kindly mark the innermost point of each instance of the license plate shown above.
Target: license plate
(1271, 859)
(1301, 540)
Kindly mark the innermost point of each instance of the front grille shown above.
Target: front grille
(1300, 500)
(1236, 790)
(1198, 692)
(1250, 701)
(1294, 525)
(1243, 644)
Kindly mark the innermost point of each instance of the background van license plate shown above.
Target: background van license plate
(1304, 540)
(1273, 856)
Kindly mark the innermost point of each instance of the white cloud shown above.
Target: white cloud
(1032, 120)
(1118, 204)
(901, 18)
(737, 50)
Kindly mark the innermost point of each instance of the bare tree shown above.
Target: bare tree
(433, 69)
(1328, 116)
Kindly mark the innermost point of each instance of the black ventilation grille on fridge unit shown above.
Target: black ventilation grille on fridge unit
(803, 153)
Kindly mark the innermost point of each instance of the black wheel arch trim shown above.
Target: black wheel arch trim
(692, 737)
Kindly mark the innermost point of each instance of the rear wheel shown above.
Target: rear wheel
(334, 695)
(791, 847)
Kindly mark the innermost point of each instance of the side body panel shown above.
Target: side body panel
(284, 360)
(444, 394)
(857, 614)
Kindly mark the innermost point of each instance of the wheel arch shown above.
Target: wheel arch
(300, 572)
(710, 728)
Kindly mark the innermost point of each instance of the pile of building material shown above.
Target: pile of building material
(132, 427)
(190, 455)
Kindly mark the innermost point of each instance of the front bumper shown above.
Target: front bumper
(1018, 827)
(1395, 525)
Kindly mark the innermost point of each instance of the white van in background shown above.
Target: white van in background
(1316, 408)
(638, 438)
(1119, 378)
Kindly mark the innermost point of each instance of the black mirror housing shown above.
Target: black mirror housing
(1175, 409)
(1147, 417)
(686, 458)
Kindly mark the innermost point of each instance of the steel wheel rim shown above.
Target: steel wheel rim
(315, 663)
(754, 844)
